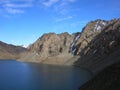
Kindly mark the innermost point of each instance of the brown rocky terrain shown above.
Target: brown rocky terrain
(50, 48)
(8, 51)
(88, 33)
(52, 44)
(102, 50)
(94, 48)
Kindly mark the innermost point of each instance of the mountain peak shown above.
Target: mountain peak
(52, 44)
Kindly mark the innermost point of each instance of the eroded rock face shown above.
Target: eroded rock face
(101, 48)
(106, 41)
(92, 29)
(52, 44)
(97, 39)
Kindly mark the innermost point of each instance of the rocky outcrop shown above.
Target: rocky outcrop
(99, 49)
(88, 33)
(8, 51)
(97, 40)
(92, 48)
(50, 48)
(52, 44)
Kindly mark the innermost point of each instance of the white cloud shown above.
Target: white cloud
(15, 6)
(19, 6)
(14, 11)
(57, 3)
(11, 5)
(69, 0)
(72, 0)
(49, 3)
(64, 6)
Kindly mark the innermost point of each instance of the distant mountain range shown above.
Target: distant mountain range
(8, 51)
(96, 47)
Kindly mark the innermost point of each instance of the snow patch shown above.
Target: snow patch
(25, 46)
(77, 37)
(104, 23)
(72, 46)
(98, 28)
(98, 25)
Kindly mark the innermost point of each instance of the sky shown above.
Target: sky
(22, 22)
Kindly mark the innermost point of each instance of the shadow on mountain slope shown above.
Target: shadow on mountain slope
(108, 79)
(103, 50)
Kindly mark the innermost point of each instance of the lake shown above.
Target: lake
(16, 75)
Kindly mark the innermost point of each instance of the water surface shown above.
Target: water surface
(30, 76)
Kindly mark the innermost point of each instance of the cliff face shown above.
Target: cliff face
(90, 48)
(101, 48)
(95, 47)
(52, 44)
(8, 51)
(89, 32)
(50, 48)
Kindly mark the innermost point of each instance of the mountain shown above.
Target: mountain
(92, 48)
(107, 79)
(95, 48)
(88, 33)
(52, 44)
(8, 51)
(50, 48)
(98, 47)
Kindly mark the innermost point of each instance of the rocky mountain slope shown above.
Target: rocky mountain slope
(8, 51)
(99, 49)
(96, 47)
(50, 48)
(88, 33)
(89, 49)
(52, 44)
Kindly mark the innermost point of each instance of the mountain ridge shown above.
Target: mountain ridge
(75, 49)
(96, 48)
(9, 51)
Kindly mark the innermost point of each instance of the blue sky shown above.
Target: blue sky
(23, 21)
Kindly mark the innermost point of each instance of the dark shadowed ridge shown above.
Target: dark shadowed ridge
(102, 50)
(107, 79)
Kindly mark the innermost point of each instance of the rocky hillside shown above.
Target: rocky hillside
(88, 33)
(98, 46)
(8, 51)
(52, 44)
(50, 48)
(90, 48)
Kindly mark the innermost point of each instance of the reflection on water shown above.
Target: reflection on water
(31, 76)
